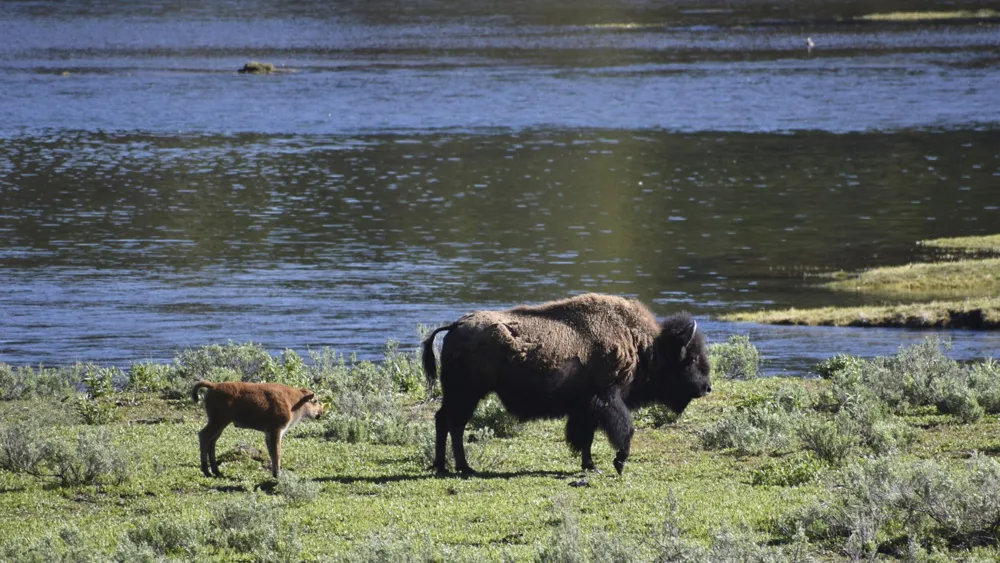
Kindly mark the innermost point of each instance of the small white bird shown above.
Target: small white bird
(809, 43)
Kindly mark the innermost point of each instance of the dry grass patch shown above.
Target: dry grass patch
(930, 16)
(964, 277)
(989, 244)
(981, 313)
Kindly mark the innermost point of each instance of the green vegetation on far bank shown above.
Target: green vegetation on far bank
(981, 313)
(966, 293)
(931, 16)
(875, 460)
(967, 278)
(988, 244)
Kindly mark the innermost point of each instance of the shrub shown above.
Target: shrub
(26, 382)
(984, 379)
(149, 377)
(656, 416)
(404, 369)
(164, 538)
(95, 459)
(250, 360)
(22, 449)
(883, 504)
(569, 544)
(913, 377)
(296, 489)
(860, 508)
(751, 431)
(491, 414)
(830, 440)
(920, 375)
(789, 471)
(252, 525)
(68, 545)
(961, 507)
(960, 402)
(98, 405)
(829, 367)
(391, 547)
(736, 359)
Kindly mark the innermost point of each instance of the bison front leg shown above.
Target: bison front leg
(616, 420)
(580, 429)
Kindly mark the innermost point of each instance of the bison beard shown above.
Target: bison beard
(591, 358)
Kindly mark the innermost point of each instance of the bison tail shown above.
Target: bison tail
(430, 364)
(197, 387)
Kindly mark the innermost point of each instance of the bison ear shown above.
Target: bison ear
(305, 399)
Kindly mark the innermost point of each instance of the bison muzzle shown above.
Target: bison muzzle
(590, 358)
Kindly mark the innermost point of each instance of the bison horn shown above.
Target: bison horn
(694, 331)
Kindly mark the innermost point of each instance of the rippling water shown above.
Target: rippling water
(413, 164)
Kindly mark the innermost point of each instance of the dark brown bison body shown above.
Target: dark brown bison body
(591, 358)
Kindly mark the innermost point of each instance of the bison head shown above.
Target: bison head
(679, 363)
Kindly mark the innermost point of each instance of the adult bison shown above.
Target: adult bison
(590, 358)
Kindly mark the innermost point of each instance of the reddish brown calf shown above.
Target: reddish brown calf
(271, 408)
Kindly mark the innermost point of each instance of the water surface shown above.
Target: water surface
(414, 164)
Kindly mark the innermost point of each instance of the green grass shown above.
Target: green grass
(364, 501)
(981, 313)
(985, 244)
(698, 489)
(967, 278)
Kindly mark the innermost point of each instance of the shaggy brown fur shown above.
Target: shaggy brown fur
(590, 358)
(271, 408)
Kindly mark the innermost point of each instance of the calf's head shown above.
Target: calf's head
(308, 406)
(679, 363)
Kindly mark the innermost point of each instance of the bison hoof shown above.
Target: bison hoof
(467, 470)
(619, 466)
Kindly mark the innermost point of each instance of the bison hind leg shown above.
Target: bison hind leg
(452, 418)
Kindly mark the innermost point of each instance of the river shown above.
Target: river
(409, 164)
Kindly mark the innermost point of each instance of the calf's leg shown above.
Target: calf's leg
(273, 440)
(207, 438)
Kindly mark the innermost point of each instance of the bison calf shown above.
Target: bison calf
(271, 408)
(590, 358)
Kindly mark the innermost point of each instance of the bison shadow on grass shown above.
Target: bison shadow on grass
(591, 359)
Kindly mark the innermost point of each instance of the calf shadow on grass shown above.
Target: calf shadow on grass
(381, 479)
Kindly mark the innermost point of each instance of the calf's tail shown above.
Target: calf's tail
(197, 387)
(430, 364)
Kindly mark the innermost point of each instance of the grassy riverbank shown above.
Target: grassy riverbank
(965, 278)
(988, 244)
(983, 313)
(960, 294)
(762, 469)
